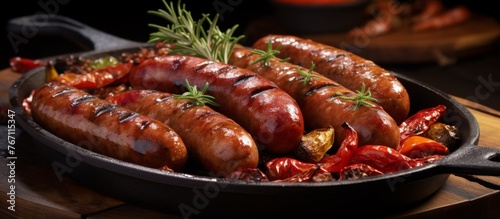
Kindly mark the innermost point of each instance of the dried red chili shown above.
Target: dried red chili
(23, 65)
(420, 122)
(382, 158)
(337, 161)
(285, 167)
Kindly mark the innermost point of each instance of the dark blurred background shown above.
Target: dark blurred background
(129, 20)
(126, 19)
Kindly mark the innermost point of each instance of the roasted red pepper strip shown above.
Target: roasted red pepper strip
(337, 161)
(23, 65)
(418, 147)
(382, 158)
(95, 79)
(306, 176)
(420, 122)
(286, 167)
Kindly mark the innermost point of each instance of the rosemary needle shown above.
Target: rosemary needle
(198, 97)
(362, 97)
(190, 37)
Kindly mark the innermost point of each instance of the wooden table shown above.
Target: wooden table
(39, 192)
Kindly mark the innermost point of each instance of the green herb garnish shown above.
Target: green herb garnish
(265, 56)
(362, 97)
(308, 76)
(198, 97)
(190, 37)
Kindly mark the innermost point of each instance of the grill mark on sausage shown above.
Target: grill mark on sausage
(225, 69)
(103, 109)
(178, 62)
(242, 79)
(127, 116)
(82, 99)
(261, 90)
(145, 124)
(63, 91)
(202, 66)
(205, 115)
(337, 94)
(314, 89)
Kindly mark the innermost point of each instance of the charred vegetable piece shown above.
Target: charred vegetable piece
(315, 144)
(443, 133)
(358, 171)
(50, 72)
(248, 174)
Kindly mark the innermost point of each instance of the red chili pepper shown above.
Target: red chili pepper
(357, 171)
(420, 122)
(285, 167)
(337, 161)
(95, 79)
(306, 176)
(418, 147)
(23, 65)
(382, 158)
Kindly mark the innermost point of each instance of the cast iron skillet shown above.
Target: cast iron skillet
(191, 195)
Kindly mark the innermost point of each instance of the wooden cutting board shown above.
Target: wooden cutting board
(477, 35)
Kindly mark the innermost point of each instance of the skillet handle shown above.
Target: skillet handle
(57, 25)
(473, 160)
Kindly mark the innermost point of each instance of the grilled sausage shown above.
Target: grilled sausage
(346, 68)
(269, 114)
(213, 140)
(108, 129)
(320, 101)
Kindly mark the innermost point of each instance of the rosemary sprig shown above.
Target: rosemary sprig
(198, 97)
(362, 97)
(308, 76)
(190, 37)
(266, 56)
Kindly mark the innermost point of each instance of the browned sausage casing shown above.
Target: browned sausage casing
(321, 103)
(213, 140)
(108, 129)
(346, 68)
(268, 113)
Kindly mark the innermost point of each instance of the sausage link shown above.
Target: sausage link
(346, 68)
(269, 114)
(320, 101)
(107, 129)
(213, 140)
